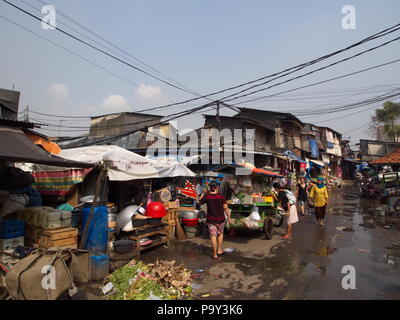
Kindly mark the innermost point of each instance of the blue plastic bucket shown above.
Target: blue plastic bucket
(99, 266)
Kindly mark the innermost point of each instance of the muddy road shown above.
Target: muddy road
(309, 266)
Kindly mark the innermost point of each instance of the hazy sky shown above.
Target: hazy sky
(205, 45)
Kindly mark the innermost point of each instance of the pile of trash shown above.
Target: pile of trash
(162, 280)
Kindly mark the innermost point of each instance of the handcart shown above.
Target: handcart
(389, 190)
(271, 215)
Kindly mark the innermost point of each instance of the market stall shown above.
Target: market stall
(388, 183)
(250, 198)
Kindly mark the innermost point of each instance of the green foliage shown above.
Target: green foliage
(136, 282)
(120, 279)
(388, 117)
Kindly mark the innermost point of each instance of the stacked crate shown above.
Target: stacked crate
(12, 235)
(49, 228)
(59, 238)
(170, 220)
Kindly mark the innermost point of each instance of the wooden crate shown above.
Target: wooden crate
(170, 217)
(32, 234)
(171, 205)
(64, 237)
(62, 233)
(171, 230)
(45, 242)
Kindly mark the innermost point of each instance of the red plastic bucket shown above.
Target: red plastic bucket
(190, 222)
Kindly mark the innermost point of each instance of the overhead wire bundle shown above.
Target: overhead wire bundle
(245, 89)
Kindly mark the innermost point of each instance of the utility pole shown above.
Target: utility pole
(219, 132)
(26, 118)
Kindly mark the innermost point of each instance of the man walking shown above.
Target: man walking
(216, 209)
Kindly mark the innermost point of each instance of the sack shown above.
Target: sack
(43, 275)
(14, 178)
(254, 215)
(12, 203)
(310, 203)
(80, 265)
(291, 197)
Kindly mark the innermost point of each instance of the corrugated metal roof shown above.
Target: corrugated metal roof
(391, 158)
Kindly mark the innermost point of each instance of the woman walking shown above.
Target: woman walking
(302, 195)
(319, 195)
(288, 202)
(216, 210)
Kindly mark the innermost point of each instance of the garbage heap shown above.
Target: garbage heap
(162, 280)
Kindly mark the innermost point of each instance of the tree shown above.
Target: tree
(388, 118)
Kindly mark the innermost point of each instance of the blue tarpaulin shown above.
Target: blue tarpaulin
(313, 148)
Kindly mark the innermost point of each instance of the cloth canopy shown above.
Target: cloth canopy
(318, 163)
(125, 165)
(38, 139)
(16, 147)
(248, 169)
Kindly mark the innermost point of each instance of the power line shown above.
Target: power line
(355, 129)
(305, 74)
(174, 115)
(323, 81)
(353, 105)
(125, 54)
(298, 67)
(99, 50)
(350, 114)
(73, 53)
(375, 36)
(144, 64)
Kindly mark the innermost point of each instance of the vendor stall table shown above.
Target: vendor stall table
(147, 231)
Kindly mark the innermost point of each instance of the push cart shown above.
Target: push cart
(389, 190)
(271, 216)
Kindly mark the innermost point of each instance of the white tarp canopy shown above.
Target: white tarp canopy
(125, 165)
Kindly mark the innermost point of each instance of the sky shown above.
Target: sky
(204, 45)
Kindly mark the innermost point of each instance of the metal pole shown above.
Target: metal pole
(219, 131)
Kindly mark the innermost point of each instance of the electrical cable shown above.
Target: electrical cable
(305, 74)
(144, 64)
(323, 81)
(372, 37)
(100, 50)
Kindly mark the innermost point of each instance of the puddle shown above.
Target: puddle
(325, 252)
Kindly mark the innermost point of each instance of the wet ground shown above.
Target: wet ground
(309, 266)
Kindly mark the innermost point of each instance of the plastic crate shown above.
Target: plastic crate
(12, 229)
(11, 244)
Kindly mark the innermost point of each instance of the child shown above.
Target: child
(288, 203)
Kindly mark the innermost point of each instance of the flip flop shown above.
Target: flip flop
(215, 258)
(286, 237)
(221, 254)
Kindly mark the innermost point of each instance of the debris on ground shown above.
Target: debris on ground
(107, 288)
(162, 280)
(229, 250)
(364, 250)
(345, 229)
